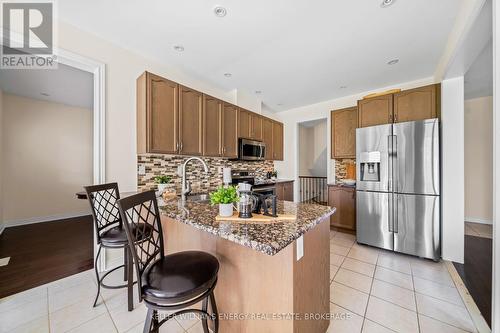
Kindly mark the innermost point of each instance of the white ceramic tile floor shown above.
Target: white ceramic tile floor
(371, 291)
(407, 294)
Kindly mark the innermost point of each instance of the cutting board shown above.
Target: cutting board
(256, 218)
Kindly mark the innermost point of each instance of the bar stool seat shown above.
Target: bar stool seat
(179, 277)
(117, 237)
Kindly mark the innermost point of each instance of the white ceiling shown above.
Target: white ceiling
(296, 52)
(66, 85)
(479, 77)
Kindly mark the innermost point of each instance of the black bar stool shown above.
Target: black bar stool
(167, 282)
(110, 234)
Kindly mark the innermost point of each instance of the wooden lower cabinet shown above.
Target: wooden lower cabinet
(343, 198)
(284, 191)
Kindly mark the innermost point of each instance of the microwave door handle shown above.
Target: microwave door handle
(261, 152)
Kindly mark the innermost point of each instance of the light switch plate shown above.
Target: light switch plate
(300, 247)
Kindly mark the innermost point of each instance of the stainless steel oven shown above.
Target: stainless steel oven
(251, 150)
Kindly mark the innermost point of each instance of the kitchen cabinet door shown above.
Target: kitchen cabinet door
(245, 124)
(277, 141)
(344, 199)
(190, 121)
(212, 126)
(288, 191)
(255, 126)
(280, 191)
(375, 111)
(267, 137)
(230, 131)
(157, 115)
(417, 104)
(344, 123)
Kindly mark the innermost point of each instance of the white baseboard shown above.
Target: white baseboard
(477, 220)
(15, 223)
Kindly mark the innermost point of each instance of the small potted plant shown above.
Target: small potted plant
(162, 182)
(225, 197)
(274, 174)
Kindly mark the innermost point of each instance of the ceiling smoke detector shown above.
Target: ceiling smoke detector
(387, 3)
(228, 74)
(179, 48)
(220, 11)
(393, 62)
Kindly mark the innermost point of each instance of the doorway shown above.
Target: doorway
(313, 136)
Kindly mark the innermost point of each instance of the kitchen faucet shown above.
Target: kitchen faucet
(186, 186)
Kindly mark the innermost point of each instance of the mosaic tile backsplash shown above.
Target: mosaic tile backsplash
(157, 164)
(341, 168)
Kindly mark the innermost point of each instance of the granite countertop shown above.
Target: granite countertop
(268, 238)
(272, 181)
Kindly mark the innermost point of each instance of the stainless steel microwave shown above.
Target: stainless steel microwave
(251, 150)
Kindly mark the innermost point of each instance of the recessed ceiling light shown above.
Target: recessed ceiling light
(228, 74)
(279, 104)
(343, 87)
(258, 92)
(179, 48)
(387, 3)
(220, 11)
(393, 62)
(44, 94)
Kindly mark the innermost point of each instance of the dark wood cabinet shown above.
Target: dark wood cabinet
(284, 191)
(230, 131)
(267, 137)
(157, 114)
(277, 141)
(212, 126)
(344, 200)
(375, 111)
(190, 121)
(344, 123)
(417, 104)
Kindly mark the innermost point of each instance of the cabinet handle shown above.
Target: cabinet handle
(395, 117)
(177, 146)
(180, 148)
(390, 118)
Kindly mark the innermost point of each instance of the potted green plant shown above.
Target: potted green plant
(274, 174)
(162, 182)
(225, 197)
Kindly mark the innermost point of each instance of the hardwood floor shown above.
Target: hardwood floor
(44, 252)
(476, 272)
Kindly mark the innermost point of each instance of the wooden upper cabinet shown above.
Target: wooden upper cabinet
(344, 123)
(417, 104)
(190, 121)
(277, 141)
(157, 114)
(230, 131)
(212, 126)
(255, 126)
(267, 137)
(344, 200)
(245, 124)
(375, 111)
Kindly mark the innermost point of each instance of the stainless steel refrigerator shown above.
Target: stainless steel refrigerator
(398, 187)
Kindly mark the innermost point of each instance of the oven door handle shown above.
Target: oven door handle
(264, 189)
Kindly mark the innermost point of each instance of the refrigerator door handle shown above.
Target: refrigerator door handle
(394, 213)
(391, 215)
(389, 165)
(395, 166)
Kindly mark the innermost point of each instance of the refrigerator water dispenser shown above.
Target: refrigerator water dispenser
(370, 166)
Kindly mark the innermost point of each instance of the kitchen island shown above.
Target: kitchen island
(274, 276)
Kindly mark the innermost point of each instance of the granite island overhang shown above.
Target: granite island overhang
(274, 276)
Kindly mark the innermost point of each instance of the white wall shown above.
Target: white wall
(312, 151)
(452, 169)
(479, 159)
(46, 158)
(289, 167)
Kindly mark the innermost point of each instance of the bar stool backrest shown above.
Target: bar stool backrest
(103, 200)
(142, 223)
